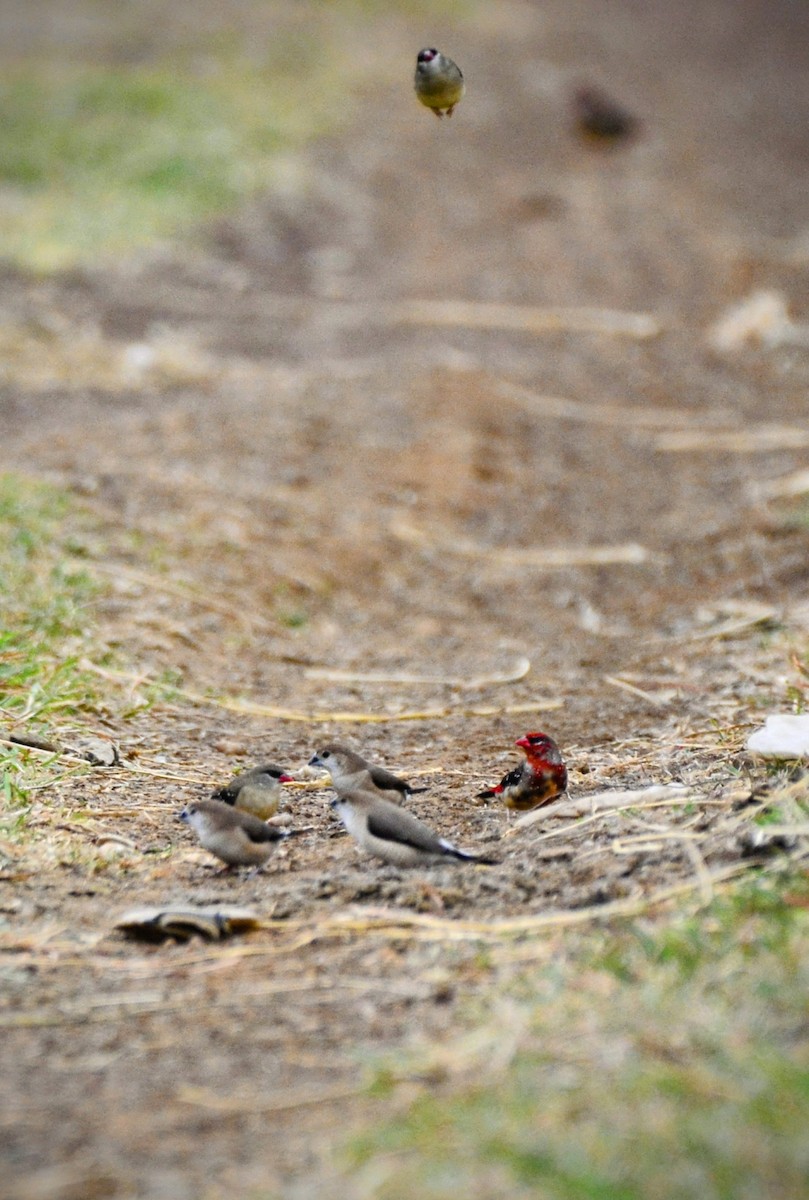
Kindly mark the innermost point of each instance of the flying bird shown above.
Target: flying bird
(351, 773)
(438, 82)
(256, 791)
(394, 834)
(600, 118)
(538, 780)
(237, 838)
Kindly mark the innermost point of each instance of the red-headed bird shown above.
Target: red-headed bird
(538, 780)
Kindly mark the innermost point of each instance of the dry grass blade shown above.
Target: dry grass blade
(794, 484)
(658, 795)
(518, 672)
(550, 558)
(652, 840)
(524, 318)
(742, 615)
(234, 1105)
(173, 776)
(615, 681)
(619, 416)
(758, 440)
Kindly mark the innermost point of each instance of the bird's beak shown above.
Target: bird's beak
(183, 816)
(286, 778)
(333, 803)
(314, 761)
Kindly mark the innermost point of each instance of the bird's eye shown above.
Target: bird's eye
(326, 754)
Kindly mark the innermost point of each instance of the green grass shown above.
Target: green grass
(669, 1061)
(47, 602)
(98, 161)
(135, 133)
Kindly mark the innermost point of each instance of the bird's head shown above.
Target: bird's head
(278, 776)
(539, 746)
(336, 758)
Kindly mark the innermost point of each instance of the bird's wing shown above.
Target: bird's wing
(386, 780)
(513, 777)
(259, 831)
(402, 827)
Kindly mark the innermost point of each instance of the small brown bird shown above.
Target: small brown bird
(438, 82)
(237, 838)
(538, 780)
(351, 773)
(394, 834)
(256, 791)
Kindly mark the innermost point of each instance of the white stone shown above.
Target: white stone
(784, 735)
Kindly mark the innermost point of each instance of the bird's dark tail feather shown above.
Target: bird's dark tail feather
(467, 856)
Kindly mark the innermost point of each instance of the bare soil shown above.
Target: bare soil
(309, 480)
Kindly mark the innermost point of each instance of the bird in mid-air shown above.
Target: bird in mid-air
(393, 834)
(351, 773)
(599, 118)
(438, 82)
(538, 780)
(237, 838)
(256, 791)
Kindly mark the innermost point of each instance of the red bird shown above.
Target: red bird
(538, 780)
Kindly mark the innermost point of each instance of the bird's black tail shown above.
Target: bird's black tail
(467, 856)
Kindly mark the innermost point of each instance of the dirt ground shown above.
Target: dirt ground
(300, 474)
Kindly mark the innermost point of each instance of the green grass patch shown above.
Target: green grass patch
(668, 1061)
(96, 161)
(47, 601)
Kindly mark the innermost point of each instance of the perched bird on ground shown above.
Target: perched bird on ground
(237, 838)
(394, 834)
(600, 118)
(538, 780)
(257, 791)
(351, 773)
(439, 83)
